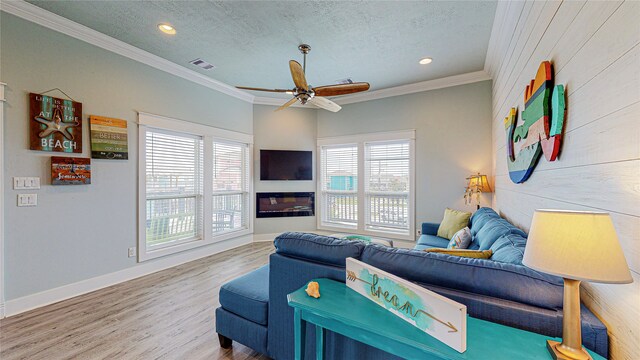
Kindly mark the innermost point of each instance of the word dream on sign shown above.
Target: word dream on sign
(438, 316)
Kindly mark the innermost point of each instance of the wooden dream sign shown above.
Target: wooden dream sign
(541, 132)
(54, 124)
(436, 315)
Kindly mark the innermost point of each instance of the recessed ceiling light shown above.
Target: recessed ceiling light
(167, 29)
(426, 61)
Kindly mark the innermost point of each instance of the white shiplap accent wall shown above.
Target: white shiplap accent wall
(595, 49)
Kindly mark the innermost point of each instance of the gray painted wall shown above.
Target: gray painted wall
(453, 138)
(79, 232)
(292, 129)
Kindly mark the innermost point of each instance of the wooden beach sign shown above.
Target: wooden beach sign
(55, 124)
(438, 316)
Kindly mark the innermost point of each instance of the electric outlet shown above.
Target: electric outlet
(418, 232)
(132, 251)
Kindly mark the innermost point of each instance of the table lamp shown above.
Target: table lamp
(578, 246)
(477, 184)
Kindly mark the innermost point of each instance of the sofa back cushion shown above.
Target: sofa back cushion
(509, 249)
(317, 248)
(480, 218)
(491, 231)
(479, 276)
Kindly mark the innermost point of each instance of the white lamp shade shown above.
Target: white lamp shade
(576, 245)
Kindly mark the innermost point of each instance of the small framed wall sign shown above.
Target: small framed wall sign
(70, 171)
(108, 138)
(55, 124)
(438, 316)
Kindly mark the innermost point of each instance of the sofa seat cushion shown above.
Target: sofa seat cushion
(485, 277)
(248, 295)
(431, 241)
(318, 248)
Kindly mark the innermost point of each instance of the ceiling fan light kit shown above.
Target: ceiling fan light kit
(306, 94)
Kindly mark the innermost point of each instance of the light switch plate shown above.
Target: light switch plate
(26, 183)
(27, 200)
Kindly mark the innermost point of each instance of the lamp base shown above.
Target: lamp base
(576, 354)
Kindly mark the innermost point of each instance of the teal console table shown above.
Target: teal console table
(343, 311)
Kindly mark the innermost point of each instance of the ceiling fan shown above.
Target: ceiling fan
(314, 95)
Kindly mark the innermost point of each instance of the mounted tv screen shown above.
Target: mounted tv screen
(285, 165)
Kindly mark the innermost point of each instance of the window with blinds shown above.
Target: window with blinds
(194, 186)
(174, 183)
(387, 186)
(366, 184)
(339, 187)
(230, 210)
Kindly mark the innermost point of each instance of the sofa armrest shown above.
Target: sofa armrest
(430, 228)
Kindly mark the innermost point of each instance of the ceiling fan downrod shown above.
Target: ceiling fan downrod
(304, 49)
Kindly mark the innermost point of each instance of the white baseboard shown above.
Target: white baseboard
(47, 297)
(265, 237)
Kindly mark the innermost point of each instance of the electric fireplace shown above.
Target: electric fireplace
(283, 204)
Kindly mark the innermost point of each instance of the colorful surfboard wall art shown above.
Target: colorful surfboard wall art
(542, 125)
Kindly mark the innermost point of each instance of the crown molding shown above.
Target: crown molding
(42, 17)
(444, 82)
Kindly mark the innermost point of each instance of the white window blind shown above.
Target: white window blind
(230, 210)
(339, 186)
(174, 182)
(387, 186)
(367, 184)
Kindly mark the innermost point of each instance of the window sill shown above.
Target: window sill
(170, 250)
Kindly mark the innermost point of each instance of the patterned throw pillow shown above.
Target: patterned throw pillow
(461, 239)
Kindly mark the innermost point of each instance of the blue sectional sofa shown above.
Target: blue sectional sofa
(254, 308)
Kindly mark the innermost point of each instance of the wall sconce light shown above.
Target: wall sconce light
(477, 184)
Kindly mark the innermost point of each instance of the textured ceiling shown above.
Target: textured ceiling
(250, 42)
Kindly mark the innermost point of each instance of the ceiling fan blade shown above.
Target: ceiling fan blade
(325, 103)
(261, 89)
(287, 104)
(298, 75)
(341, 89)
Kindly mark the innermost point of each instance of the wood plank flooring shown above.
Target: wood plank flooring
(166, 315)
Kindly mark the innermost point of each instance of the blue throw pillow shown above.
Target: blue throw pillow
(460, 239)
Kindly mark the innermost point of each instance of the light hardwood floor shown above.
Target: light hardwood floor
(166, 315)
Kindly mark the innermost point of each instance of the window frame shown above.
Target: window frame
(361, 140)
(246, 182)
(208, 134)
(322, 192)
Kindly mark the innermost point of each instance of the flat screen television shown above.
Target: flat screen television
(286, 165)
